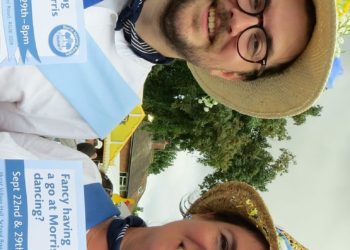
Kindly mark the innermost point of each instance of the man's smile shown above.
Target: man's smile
(211, 22)
(217, 21)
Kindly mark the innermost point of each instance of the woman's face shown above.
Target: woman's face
(197, 233)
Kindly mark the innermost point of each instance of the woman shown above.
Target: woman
(231, 216)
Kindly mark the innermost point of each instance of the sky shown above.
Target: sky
(311, 201)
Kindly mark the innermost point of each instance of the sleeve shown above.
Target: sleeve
(30, 104)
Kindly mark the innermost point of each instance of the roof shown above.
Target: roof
(141, 158)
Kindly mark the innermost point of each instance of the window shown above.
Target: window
(123, 181)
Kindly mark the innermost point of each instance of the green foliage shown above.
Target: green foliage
(253, 165)
(137, 210)
(313, 111)
(234, 144)
(162, 159)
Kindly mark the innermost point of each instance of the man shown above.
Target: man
(229, 216)
(224, 41)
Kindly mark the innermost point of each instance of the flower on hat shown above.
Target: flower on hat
(252, 210)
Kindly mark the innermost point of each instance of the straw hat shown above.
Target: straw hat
(286, 94)
(243, 200)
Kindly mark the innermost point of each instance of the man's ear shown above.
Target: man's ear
(227, 75)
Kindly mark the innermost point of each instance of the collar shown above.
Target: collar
(126, 21)
(117, 229)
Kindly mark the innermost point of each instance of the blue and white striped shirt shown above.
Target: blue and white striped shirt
(126, 21)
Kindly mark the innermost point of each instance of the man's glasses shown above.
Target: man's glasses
(252, 44)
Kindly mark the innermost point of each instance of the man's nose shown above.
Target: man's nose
(240, 21)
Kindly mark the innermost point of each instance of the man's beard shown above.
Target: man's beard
(169, 25)
(171, 31)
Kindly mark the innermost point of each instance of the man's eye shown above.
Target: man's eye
(255, 4)
(254, 45)
(224, 243)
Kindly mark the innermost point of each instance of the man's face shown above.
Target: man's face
(185, 25)
(197, 233)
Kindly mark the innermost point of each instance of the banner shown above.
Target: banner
(41, 205)
(41, 32)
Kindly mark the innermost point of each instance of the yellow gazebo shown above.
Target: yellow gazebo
(119, 136)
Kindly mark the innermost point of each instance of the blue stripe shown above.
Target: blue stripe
(88, 3)
(17, 205)
(98, 205)
(94, 88)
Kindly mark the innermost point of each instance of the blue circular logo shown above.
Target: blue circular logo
(64, 40)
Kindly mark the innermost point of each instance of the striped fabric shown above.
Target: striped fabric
(117, 230)
(126, 21)
(122, 233)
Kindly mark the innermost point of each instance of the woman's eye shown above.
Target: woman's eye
(224, 243)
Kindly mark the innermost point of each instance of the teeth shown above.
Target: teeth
(180, 248)
(211, 24)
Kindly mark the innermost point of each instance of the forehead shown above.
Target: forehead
(286, 23)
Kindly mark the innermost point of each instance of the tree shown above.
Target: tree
(313, 111)
(254, 165)
(162, 159)
(234, 144)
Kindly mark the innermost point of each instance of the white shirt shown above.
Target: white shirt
(30, 104)
(33, 147)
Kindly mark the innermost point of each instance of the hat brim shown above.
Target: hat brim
(286, 94)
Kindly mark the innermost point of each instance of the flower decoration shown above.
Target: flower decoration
(252, 210)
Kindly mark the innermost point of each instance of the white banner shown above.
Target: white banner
(41, 32)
